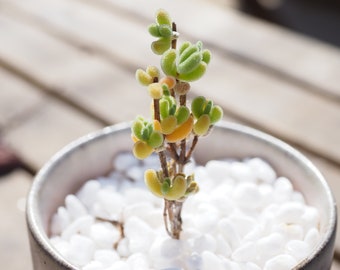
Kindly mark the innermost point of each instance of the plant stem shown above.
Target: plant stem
(191, 150)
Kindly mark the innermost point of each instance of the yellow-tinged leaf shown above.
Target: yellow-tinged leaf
(141, 150)
(181, 132)
(169, 124)
(202, 125)
(178, 188)
(157, 125)
(134, 138)
(152, 182)
(155, 90)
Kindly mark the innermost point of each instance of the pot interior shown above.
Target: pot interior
(92, 155)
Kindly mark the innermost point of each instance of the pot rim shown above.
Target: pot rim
(34, 223)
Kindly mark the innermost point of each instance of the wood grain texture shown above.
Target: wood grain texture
(14, 247)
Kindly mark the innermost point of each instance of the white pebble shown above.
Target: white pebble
(138, 261)
(290, 212)
(298, 249)
(245, 252)
(119, 265)
(211, 261)
(87, 194)
(106, 257)
(93, 265)
(206, 218)
(283, 190)
(280, 262)
(270, 246)
(310, 218)
(290, 231)
(205, 242)
(241, 172)
(243, 223)
(263, 171)
(312, 237)
(111, 203)
(229, 232)
(104, 234)
(74, 207)
(82, 249)
(247, 195)
(139, 234)
(60, 221)
(80, 225)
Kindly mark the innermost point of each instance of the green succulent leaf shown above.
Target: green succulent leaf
(202, 125)
(143, 78)
(168, 63)
(190, 63)
(137, 127)
(208, 107)
(155, 139)
(161, 45)
(164, 108)
(165, 30)
(197, 106)
(195, 74)
(182, 114)
(154, 30)
(187, 52)
(165, 187)
(216, 114)
(206, 56)
(163, 17)
(183, 47)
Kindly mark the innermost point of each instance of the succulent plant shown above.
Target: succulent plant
(175, 127)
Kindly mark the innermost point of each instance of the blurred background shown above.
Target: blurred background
(67, 69)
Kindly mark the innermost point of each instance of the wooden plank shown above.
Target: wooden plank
(335, 265)
(51, 127)
(14, 247)
(17, 98)
(61, 68)
(266, 101)
(313, 64)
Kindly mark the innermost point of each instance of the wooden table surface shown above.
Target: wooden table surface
(67, 68)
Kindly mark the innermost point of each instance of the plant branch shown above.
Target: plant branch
(191, 150)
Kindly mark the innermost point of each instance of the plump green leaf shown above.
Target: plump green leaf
(190, 64)
(161, 45)
(156, 139)
(137, 127)
(143, 78)
(165, 30)
(195, 74)
(154, 30)
(164, 108)
(202, 125)
(183, 46)
(168, 63)
(187, 52)
(197, 106)
(208, 107)
(182, 114)
(163, 17)
(216, 114)
(206, 56)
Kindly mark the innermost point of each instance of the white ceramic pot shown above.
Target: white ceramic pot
(92, 155)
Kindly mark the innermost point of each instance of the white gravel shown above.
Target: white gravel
(243, 218)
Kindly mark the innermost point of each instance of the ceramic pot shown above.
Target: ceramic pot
(91, 156)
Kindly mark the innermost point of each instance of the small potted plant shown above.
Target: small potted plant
(260, 205)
